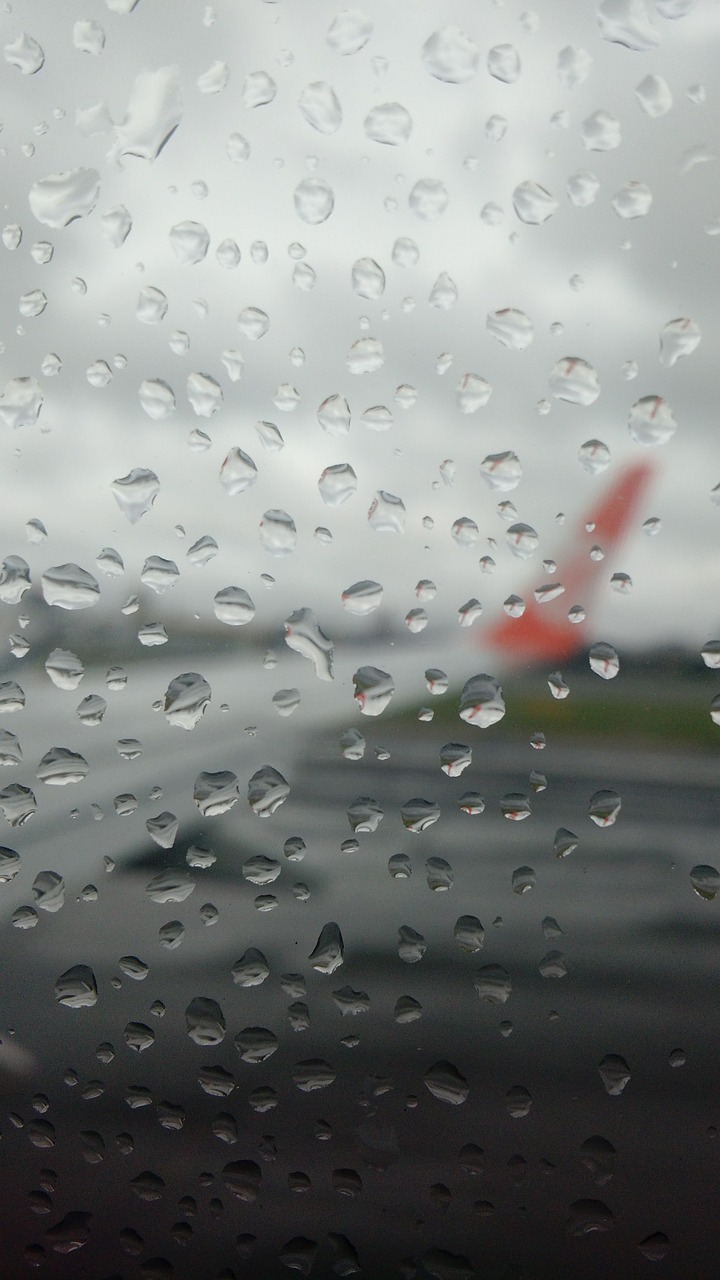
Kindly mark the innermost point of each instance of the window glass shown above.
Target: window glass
(359, 699)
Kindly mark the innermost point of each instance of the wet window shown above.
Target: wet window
(359, 690)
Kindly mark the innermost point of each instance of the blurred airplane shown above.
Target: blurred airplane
(544, 632)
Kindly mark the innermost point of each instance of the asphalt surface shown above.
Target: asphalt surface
(638, 949)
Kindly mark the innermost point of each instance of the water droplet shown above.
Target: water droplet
(256, 1044)
(25, 54)
(349, 32)
(205, 394)
(253, 323)
(553, 965)
(678, 338)
(278, 533)
(204, 1020)
(493, 984)
(60, 766)
(511, 328)
(12, 236)
(399, 866)
(481, 701)
(411, 945)
(455, 758)
(439, 875)
(472, 393)
(503, 63)
(518, 1101)
(366, 355)
(258, 89)
(215, 793)
(14, 579)
(337, 484)
(604, 660)
(362, 597)
(516, 807)
(133, 968)
(48, 890)
(436, 680)
(445, 1082)
(152, 305)
(389, 123)
(173, 884)
(304, 635)
(654, 95)
(117, 225)
(651, 421)
(533, 204)
(314, 200)
(587, 1216)
(465, 532)
(61, 197)
(450, 55)
(582, 189)
(76, 988)
(601, 132)
(215, 79)
(163, 829)
(216, 1082)
(654, 1247)
(573, 66)
(626, 22)
(42, 252)
(418, 814)
(523, 880)
(285, 701)
(428, 199)
(190, 242)
(711, 654)
(615, 1074)
(136, 492)
(598, 1156)
(472, 803)
(705, 881)
(320, 106)
(32, 303)
(10, 863)
(633, 200)
(139, 1037)
(157, 399)
(328, 952)
(91, 710)
(407, 1010)
(21, 402)
(364, 814)
(267, 790)
(159, 574)
(443, 296)
(233, 606)
(604, 808)
(387, 513)
(154, 111)
(110, 562)
(574, 380)
(351, 1003)
(70, 587)
(405, 252)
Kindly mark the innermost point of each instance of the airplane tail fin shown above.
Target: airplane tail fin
(543, 633)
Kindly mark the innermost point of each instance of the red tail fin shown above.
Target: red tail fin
(543, 633)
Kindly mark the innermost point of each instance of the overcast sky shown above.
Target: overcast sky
(594, 285)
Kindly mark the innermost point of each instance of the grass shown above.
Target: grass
(625, 722)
